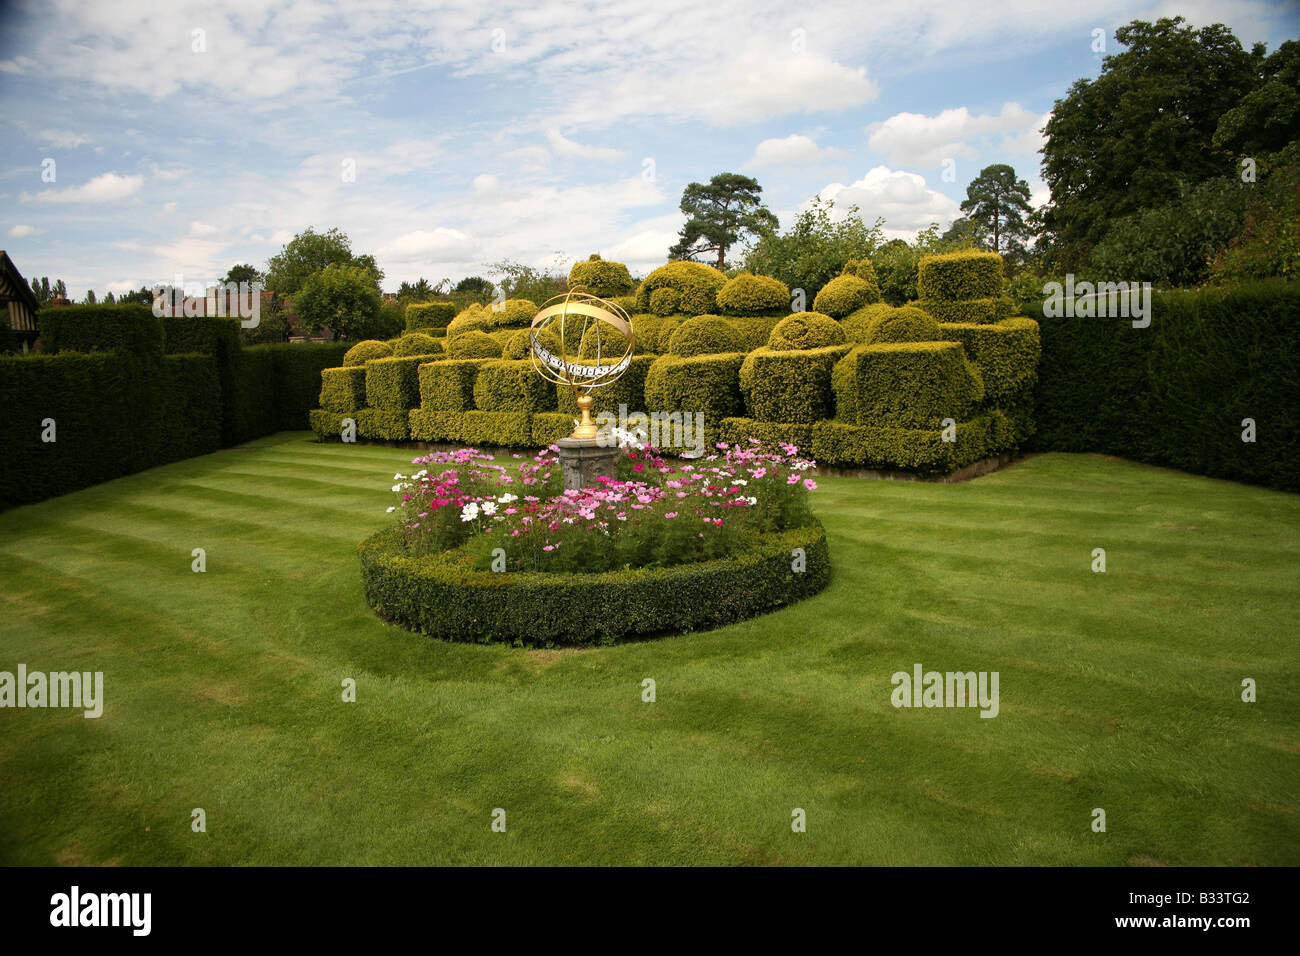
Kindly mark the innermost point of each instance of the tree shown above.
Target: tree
(814, 250)
(997, 203)
(1142, 131)
(720, 214)
(244, 272)
(475, 285)
(109, 299)
(309, 252)
(90, 297)
(964, 230)
(340, 297)
(1265, 124)
(420, 291)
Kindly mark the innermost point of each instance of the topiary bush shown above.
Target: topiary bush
(131, 329)
(653, 332)
(479, 428)
(790, 386)
(383, 424)
(519, 345)
(628, 389)
(986, 311)
(416, 343)
(857, 325)
(805, 330)
(696, 284)
(844, 294)
(512, 387)
(705, 335)
(473, 344)
(474, 318)
(448, 386)
(1006, 355)
(664, 301)
(704, 384)
(906, 323)
(955, 276)
(393, 384)
(605, 279)
(748, 294)
(905, 384)
(429, 315)
(364, 351)
(864, 270)
(343, 390)
(512, 314)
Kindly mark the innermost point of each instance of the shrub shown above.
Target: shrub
(754, 330)
(326, 424)
(428, 424)
(550, 427)
(739, 431)
(705, 335)
(864, 270)
(512, 314)
(610, 339)
(297, 368)
(917, 450)
(625, 302)
(429, 315)
(805, 330)
(969, 310)
(665, 301)
(628, 389)
(903, 324)
(448, 386)
(473, 344)
(844, 294)
(748, 294)
(1006, 355)
(416, 343)
(130, 329)
(506, 429)
(605, 279)
(653, 332)
(363, 352)
(704, 384)
(343, 390)
(906, 385)
(857, 325)
(512, 387)
(383, 424)
(696, 284)
(954, 276)
(790, 386)
(519, 345)
(393, 384)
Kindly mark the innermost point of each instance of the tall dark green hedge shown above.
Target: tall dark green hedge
(1176, 393)
(130, 329)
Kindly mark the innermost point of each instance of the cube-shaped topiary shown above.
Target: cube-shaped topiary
(844, 294)
(343, 390)
(748, 294)
(705, 335)
(922, 450)
(739, 431)
(428, 424)
(905, 385)
(448, 386)
(365, 350)
(429, 315)
(955, 276)
(474, 344)
(1006, 354)
(790, 386)
(550, 427)
(326, 424)
(993, 309)
(805, 330)
(393, 384)
(382, 424)
(503, 386)
(509, 429)
(416, 343)
(906, 323)
(704, 384)
(605, 279)
(696, 284)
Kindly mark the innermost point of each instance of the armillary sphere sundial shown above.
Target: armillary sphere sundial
(595, 319)
(577, 315)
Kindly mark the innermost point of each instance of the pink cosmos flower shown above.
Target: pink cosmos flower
(810, 484)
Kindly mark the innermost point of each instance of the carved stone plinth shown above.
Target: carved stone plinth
(586, 459)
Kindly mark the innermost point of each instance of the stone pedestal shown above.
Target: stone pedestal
(586, 459)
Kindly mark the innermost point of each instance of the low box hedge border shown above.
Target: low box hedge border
(442, 596)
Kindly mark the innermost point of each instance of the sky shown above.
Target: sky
(142, 142)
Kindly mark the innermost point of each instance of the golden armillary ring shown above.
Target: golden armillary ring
(577, 315)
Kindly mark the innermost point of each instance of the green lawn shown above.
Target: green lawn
(1118, 690)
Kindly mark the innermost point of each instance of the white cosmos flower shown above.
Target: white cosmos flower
(469, 512)
(391, 509)
(397, 487)
(489, 508)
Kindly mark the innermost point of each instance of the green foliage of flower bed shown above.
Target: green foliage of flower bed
(790, 386)
(905, 385)
(429, 315)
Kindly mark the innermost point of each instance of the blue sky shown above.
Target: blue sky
(530, 131)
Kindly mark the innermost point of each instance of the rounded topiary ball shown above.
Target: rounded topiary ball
(906, 323)
(364, 351)
(520, 345)
(697, 287)
(805, 330)
(601, 278)
(857, 325)
(416, 343)
(748, 294)
(665, 301)
(705, 335)
(864, 270)
(513, 314)
(842, 295)
(472, 345)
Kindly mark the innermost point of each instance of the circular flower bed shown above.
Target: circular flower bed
(482, 551)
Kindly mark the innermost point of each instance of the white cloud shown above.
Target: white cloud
(913, 139)
(903, 198)
(61, 138)
(793, 150)
(563, 146)
(19, 64)
(426, 246)
(22, 231)
(201, 230)
(107, 187)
